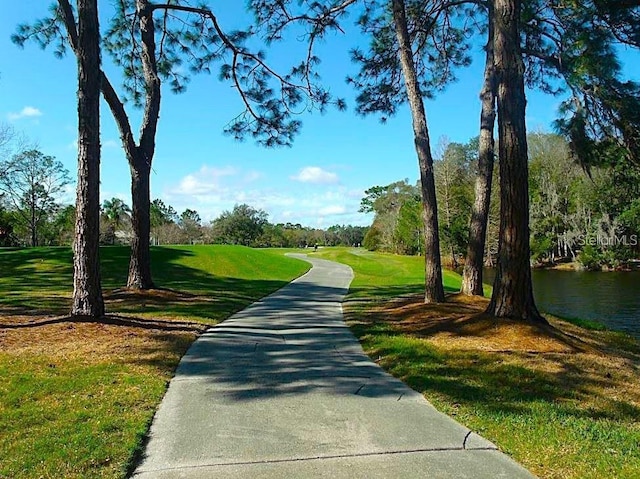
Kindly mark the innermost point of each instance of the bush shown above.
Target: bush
(372, 239)
(590, 258)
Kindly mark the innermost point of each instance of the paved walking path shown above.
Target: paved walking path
(283, 390)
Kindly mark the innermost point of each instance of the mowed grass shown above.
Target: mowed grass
(385, 275)
(562, 400)
(204, 283)
(76, 398)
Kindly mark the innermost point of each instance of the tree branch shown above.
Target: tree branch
(119, 114)
(70, 24)
(150, 68)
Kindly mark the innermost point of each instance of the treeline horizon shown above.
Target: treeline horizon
(585, 215)
(243, 225)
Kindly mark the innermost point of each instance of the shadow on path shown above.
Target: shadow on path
(285, 381)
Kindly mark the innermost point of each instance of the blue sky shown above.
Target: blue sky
(318, 182)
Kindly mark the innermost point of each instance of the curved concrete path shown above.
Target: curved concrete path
(283, 389)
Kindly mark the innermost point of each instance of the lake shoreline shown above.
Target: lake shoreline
(610, 298)
(631, 266)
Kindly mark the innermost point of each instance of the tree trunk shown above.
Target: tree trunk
(512, 291)
(142, 156)
(472, 274)
(140, 262)
(87, 291)
(434, 290)
(34, 236)
(139, 156)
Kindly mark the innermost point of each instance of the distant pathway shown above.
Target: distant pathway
(284, 390)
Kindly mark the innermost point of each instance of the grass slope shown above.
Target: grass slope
(562, 400)
(385, 275)
(76, 398)
(206, 283)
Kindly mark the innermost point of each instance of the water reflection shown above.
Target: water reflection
(612, 298)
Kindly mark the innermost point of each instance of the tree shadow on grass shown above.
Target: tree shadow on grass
(184, 291)
(505, 367)
(292, 343)
(38, 282)
(382, 293)
(113, 320)
(508, 386)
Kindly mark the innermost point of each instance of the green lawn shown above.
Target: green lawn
(225, 279)
(564, 401)
(76, 398)
(385, 275)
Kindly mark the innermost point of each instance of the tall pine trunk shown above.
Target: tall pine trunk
(472, 274)
(87, 292)
(140, 157)
(513, 290)
(434, 290)
(140, 262)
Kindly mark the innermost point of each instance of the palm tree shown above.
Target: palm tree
(116, 211)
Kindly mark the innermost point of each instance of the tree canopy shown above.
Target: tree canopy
(152, 43)
(31, 182)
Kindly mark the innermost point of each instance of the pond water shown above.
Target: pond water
(612, 298)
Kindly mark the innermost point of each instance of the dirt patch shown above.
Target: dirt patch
(142, 294)
(126, 299)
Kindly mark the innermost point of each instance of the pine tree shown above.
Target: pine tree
(87, 290)
(472, 283)
(150, 42)
(513, 289)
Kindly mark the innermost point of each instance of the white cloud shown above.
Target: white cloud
(68, 194)
(210, 191)
(252, 176)
(314, 174)
(204, 182)
(26, 112)
(356, 193)
(332, 210)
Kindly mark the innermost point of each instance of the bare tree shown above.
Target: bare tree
(7, 135)
(453, 189)
(12, 142)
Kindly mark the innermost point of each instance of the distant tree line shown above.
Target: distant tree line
(30, 186)
(591, 216)
(243, 225)
(32, 214)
